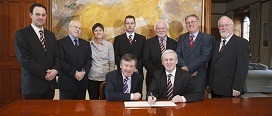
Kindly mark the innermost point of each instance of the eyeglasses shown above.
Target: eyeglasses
(225, 25)
(76, 27)
(192, 22)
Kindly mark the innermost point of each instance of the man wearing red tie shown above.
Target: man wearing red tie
(194, 50)
(129, 42)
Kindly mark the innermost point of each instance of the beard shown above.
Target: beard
(225, 34)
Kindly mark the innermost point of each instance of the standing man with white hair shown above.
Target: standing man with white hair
(229, 64)
(154, 48)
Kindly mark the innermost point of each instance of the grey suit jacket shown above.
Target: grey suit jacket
(35, 61)
(195, 58)
(228, 69)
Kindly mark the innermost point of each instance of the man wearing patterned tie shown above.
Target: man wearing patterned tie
(129, 42)
(153, 49)
(75, 62)
(124, 84)
(194, 51)
(173, 83)
(228, 67)
(36, 51)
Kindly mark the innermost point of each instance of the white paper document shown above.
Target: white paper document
(146, 104)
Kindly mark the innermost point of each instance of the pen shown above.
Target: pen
(152, 96)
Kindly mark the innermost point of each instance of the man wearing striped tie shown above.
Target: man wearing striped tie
(36, 51)
(124, 84)
(173, 83)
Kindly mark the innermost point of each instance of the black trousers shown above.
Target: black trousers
(93, 89)
(48, 94)
(213, 95)
(78, 94)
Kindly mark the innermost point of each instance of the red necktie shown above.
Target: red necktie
(191, 41)
(223, 45)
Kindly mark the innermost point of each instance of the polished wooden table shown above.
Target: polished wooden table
(208, 107)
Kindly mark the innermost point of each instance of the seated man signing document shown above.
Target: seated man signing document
(173, 83)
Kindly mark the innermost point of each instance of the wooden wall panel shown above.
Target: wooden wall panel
(13, 25)
(1, 29)
(1, 88)
(14, 15)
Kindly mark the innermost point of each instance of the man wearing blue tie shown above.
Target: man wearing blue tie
(75, 62)
(124, 84)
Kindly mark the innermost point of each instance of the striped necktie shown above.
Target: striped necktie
(169, 87)
(191, 41)
(130, 39)
(125, 86)
(42, 40)
(162, 45)
(223, 45)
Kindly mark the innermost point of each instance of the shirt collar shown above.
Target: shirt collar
(36, 29)
(72, 38)
(102, 42)
(173, 73)
(195, 34)
(130, 34)
(227, 39)
(129, 78)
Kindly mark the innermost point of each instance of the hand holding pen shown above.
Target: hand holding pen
(151, 99)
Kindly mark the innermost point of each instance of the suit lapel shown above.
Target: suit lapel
(133, 83)
(120, 83)
(156, 44)
(177, 82)
(35, 38)
(196, 42)
(126, 42)
(71, 44)
(164, 83)
(227, 47)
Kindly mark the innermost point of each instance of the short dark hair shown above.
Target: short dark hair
(192, 15)
(97, 25)
(128, 57)
(129, 17)
(36, 5)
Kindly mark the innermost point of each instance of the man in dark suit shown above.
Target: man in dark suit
(129, 42)
(124, 84)
(75, 61)
(228, 67)
(194, 51)
(36, 51)
(173, 83)
(153, 49)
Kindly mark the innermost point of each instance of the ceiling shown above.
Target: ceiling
(221, 1)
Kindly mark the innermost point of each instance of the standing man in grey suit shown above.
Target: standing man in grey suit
(36, 51)
(229, 63)
(153, 49)
(194, 51)
(75, 63)
(129, 42)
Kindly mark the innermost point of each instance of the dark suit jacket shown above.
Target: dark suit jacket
(152, 55)
(35, 61)
(122, 46)
(72, 61)
(196, 58)
(184, 85)
(114, 86)
(228, 69)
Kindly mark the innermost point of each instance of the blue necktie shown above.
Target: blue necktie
(76, 44)
(125, 87)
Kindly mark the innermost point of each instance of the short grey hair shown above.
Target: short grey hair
(231, 22)
(169, 51)
(161, 21)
